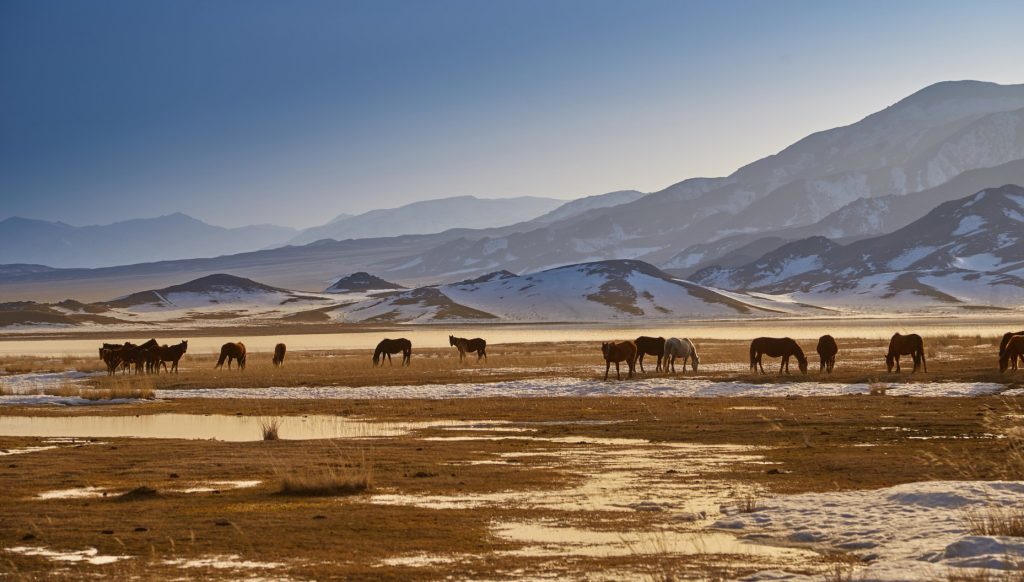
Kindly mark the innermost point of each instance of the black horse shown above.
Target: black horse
(393, 346)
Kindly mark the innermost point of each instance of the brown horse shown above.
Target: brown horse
(232, 351)
(476, 345)
(279, 351)
(111, 358)
(776, 348)
(827, 350)
(1013, 351)
(619, 352)
(393, 346)
(650, 346)
(170, 354)
(903, 345)
(1006, 340)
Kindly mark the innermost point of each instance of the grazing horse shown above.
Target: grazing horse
(1006, 340)
(1013, 351)
(232, 351)
(903, 345)
(279, 351)
(170, 354)
(652, 346)
(619, 352)
(680, 348)
(776, 348)
(393, 346)
(476, 345)
(827, 350)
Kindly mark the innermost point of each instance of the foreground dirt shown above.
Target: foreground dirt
(807, 444)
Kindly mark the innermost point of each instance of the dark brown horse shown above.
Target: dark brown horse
(904, 345)
(279, 351)
(619, 352)
(170, 354)
(827, 350)
(1013, 351)
(1006, 340)
(650, 346)
(393, 346)
(776, 347)
(232, 351)
(111, 358)
(476, 345)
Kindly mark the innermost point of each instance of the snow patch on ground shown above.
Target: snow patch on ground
(910, 257)
(581, 387)
(968, 225)
(914, 531)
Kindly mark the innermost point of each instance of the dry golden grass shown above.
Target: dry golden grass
(985, 575)
(748, 502)
(269, 428)
(995, 521)
(333, 479)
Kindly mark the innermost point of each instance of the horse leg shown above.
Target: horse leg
(607, 366)
(760, 364)
(782, 364)
(641, 360)
(618, 376)
(924, 362)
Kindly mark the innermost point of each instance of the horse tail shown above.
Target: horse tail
(924, 361)
(753, 357)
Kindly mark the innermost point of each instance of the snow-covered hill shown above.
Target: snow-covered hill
(361, 282)
(593, 292)
(964, 252)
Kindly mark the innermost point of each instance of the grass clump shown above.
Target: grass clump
(327, 480)
(995, 521)
(269, 428)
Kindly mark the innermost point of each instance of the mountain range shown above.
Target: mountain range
(830, 191)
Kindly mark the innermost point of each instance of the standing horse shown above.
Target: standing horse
(1013, 351)
(827, 350)
(111, 358)
(619, 352)
(476, 345)
(903, 345)
(680, 348)
(1002, 343)
(170, 354)
(776, 348)
(652, 346)
(279, 351)
(232, 351)
(393, 346)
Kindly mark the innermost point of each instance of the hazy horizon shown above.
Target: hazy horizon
(265, 113)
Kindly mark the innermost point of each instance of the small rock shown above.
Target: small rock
(319, 517)
(141, 529)
(28, 537)
(423, 475)
(671, 472)
(173, 476)
(222, 523)
(108, 532)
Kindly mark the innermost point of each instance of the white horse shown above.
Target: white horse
(680, 348)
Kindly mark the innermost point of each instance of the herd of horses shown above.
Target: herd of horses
(151, 356)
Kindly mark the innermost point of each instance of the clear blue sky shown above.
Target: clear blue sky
(249, 111)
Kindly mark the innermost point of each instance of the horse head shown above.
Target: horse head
(606, 348)
(451, 340)
(890, 361)
(695, 361)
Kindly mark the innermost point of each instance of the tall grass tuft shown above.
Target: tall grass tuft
(995, 521)
(269, 428)
(328, 480)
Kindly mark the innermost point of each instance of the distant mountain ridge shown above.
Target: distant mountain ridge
(173, 236)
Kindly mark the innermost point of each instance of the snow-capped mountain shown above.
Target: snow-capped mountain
(175, 236)
(431, 216)
(600, 291)
(919, 143)
(968, 251)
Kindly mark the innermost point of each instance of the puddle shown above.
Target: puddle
(211, 486)
(94, 492)
(88, 555)
(425, 560)
(753, 408)
(22, 451)
(198, 426)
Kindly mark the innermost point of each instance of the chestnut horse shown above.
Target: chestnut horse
(232, 351)
(279, 351)
(1013, 351)
(650, 346)
(170, 354)
(776, 348)
(619, 352)
(903, 345)
(393, 346)
(476, 345)
(827, 350)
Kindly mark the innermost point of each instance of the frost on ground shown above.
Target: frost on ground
(915, 531)
(576, 387)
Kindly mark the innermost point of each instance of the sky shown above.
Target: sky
(242, 112)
